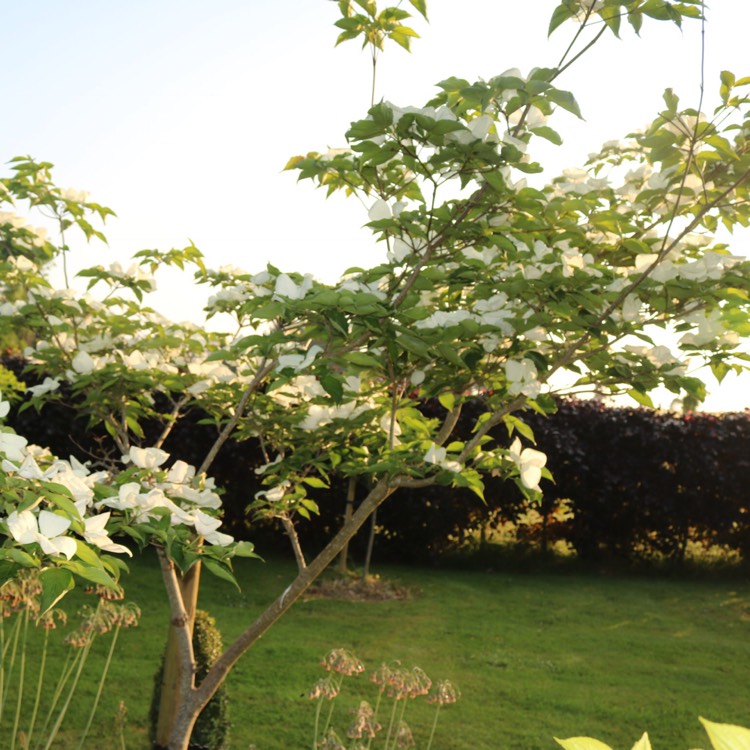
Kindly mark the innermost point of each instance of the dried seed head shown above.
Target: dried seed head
(364, 724)
(106, 592)
(343, 662)
(445, 692)
(51, 618)
(404, 737)
(332, 742)
(382, 676)
(324, 688)
(419, 683)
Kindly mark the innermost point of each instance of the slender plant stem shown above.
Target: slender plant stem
(67, 670)
(434, 726)
(390, 724)
(39, 687)
(13, 644)
(100, 689)
(330, 711)
(398, 723)
(69, 698)
(2, 663)
(21, 676)
(375, 715)
(317, 722)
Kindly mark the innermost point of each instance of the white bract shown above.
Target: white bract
(96, 533)
(529, 462)
(147, 458)
(522, 377)
(47, 530)
(438, 455)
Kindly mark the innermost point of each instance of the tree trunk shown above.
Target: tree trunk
(169, 700)
(348, 511)
(370, 545)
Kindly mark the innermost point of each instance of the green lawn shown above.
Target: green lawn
(535, 656)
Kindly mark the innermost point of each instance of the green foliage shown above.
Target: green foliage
(376, 26)
(536, 654)
(489, 286)
(212, 727)
(10, 385)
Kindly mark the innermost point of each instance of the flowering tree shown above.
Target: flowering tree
(490, 288)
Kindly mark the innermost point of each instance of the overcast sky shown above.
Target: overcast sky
(180, 115)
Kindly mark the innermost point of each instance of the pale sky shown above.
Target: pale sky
(180, 115)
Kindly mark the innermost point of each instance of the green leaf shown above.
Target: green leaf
(514, 423)
(421, 6)
(559, 16)
(363, 359)
(369, 6)
(582, 743)
(20, 557)
(641, 398)
(402, 35)
(447, 400)
(727, 736)
(87, 555)
(220, 354)
(55, 582)
(315, 482)
(62, 501)
(219, 570)
(611, 16)
(544, 131)
(635, 19)
(244, 549)
(495, 181)
(566, 100)
(448, 352)
(95, 575)
(332, 386)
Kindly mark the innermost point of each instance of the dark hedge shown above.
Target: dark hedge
(635, 484)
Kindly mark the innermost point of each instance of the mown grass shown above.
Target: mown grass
(535, 655)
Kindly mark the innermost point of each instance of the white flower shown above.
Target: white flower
(710, 328)
(437, 455)
(147, 458)
(82, 363)
(288, 289)
(29, 469)
(12, 446)
(96, 534)
(181, 473)
(49, 384)
(529, 462)
(78, 487)
(480, 126)
(444, 319)
(522, 377)
(207, 526)
(388, 425)
(399, 250)
(71, 194)
(263, 469)
(417, 377)
(631, 308)
(299, 362)
(4, 408)
(379, 210)
(275, 494)
(46, 531)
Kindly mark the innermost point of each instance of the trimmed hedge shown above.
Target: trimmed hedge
(635, 484)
